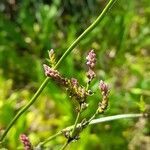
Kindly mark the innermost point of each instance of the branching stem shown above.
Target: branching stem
(94, 121)
(76, 122)
(65, 145)
(49, 139)
(68, 51)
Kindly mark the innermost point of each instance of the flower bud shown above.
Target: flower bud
(55, 75)
(103, 87)
(91, 59)
(50, 72)
(25, 140)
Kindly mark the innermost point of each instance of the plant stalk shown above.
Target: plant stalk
(49, 139)
(25, 108)
(43, 85)
(87, 31)
(65, 145)
(95, 121)
(76, 122)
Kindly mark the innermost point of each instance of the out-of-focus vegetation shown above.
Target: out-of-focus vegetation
(29, 28)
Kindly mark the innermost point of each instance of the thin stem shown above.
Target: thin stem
(76, 122)
(25, 108)
(87, 31)
(65, 145)
(97, 121)
(43, 85)
(87, 86)
(49, 139)
(93, 116)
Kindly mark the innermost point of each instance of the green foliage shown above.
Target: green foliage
(142, 105)
(29, 28)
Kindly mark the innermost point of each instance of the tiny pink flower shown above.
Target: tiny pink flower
(50, 72)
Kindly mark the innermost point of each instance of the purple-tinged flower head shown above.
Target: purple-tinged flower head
(103, 87)
(55, 75)
(91, 74)
(91, 59)
(25, 140)
(50, 72)
(105, 93)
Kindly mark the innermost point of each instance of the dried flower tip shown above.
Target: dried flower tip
(103, 87)
(90, 74)
(91, 59)
(51, 53)
(25, 140)
(51, 72)
(51, 56)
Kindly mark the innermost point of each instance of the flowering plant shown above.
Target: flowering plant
(75, 90)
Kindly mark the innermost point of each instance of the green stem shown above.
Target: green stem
(49, 139)
(96, 121)
(84, 34)
(87, 86)
(76, 122)
(93, 116)
(24, 108)
(88, 30)
(65, 145)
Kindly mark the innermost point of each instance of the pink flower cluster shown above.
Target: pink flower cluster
(50, 72)
(25, 140)
(105, 93)
(103, 87)
(91, 61)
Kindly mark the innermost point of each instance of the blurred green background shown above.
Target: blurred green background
(122, 43)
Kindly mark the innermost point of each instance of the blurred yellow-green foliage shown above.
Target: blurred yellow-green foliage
(122, 42)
